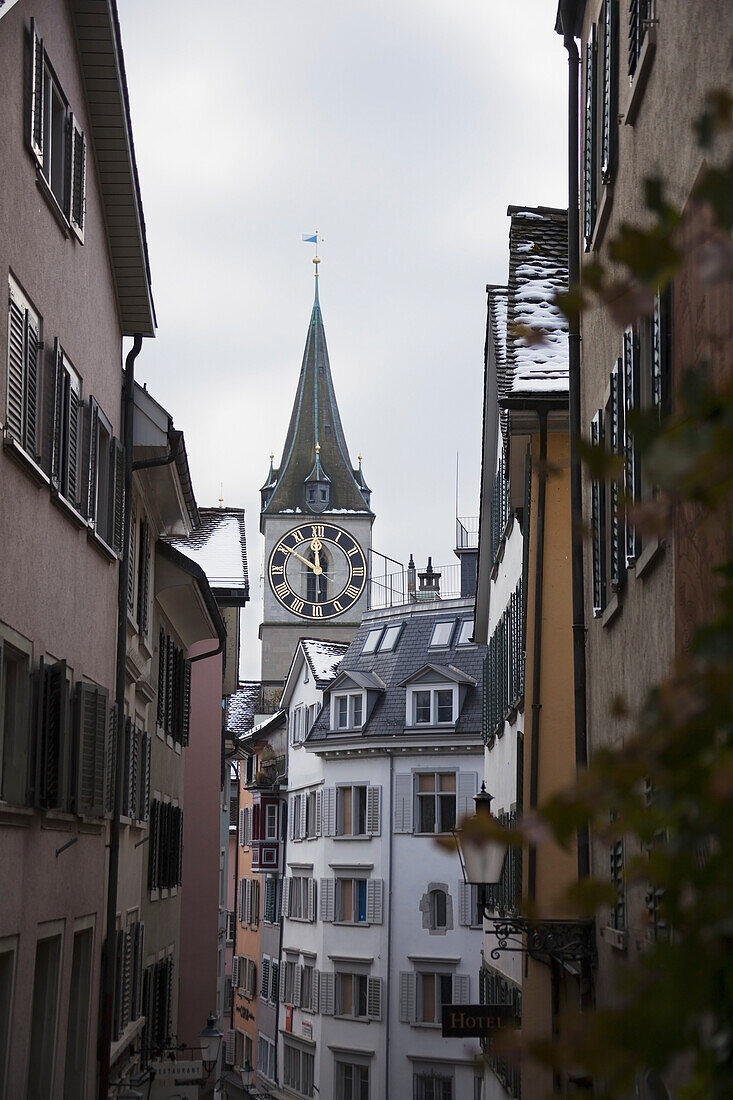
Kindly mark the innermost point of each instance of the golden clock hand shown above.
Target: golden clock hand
(316, 545)
(301, 558)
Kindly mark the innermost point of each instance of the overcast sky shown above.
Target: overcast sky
(401, 130)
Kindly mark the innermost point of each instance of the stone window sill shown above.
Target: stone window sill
(612, 610)
(21, 456)
(615, 937)
(602, 215)
(52, 203)
(641, 75)
(651, 554)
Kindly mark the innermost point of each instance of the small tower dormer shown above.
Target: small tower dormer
(317, 486)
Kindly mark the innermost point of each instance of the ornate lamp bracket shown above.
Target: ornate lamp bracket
(560, 941)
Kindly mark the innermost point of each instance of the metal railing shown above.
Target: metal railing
(403, 586)
(467, 533)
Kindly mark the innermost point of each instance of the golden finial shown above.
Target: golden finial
(318, 448)
(360, 458)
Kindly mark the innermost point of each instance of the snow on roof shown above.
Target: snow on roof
(241, 707)
(218, 545)
(538, 268)
(323, 657)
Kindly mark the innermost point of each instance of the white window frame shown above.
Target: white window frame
(297, 1082)
(372, 640)
(340, 808)
(271, 821)
(433, 688)
(338, 1007)
(436, 644)
(465, 633)
(351, 708)
(435, 795)
(357, 1063)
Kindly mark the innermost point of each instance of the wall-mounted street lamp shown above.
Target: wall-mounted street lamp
(482, 862)
(210, 1039)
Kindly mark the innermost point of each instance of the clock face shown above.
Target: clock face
(317, 571)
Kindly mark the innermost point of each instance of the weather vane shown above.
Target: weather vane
(313, 238)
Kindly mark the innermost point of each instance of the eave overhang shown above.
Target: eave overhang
(183, 592)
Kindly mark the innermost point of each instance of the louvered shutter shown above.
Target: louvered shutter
(374, 998)
(240, 901)
(297, 985)
(311, 899)
(143, 595)
(632, 466)
(241, 828)
(598, 523)
(146, 746)
(77, 195)
(287, 882)
(138, 967)
(638, 17)
(162, 656)
(91, 733)
(615, 418)
(319, 812)
(154, 844)
(589, 140)
(407, 997)
(660, 351)
(327, 994)
(186, 700)
(229, 1047)
(274, 980)
(117, 526)
(16, 367)
(30, 440)
(57, 430)
(93, 470)
(403, 802)
(37, 104)
(170, 673)
(329, 811)
(464, 904)
(375, 889)
(247, 826)
(328, 899)
(117, 1009)
(248, 901)
(127, 978)
(283, 981)
(374, 811)
(609, 113)
(131, 559)
(264, 978)
(235, 971)
(303, 824)
(316, 990)
(256, 902)
(179, 816)
(110, 759)
(71, 482)
(467, 787)
(293, 817)
(51, 777)
(461, 989)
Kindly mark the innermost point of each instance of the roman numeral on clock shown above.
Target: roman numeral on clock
(281, 569)
(357, 571)
(317, 611)
(297, 605)
(281, 590)
(317, 531)
(337, 606)
(352, 591)
(354, 550)
(298, 536)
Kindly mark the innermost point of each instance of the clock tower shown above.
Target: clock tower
(317, 520)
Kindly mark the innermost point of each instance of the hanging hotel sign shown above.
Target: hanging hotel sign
(474, 1020)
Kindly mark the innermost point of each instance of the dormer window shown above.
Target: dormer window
(317, 496)
(382, 639)
(442, 633)
(347, 711)
(465, 633)
(432, 706)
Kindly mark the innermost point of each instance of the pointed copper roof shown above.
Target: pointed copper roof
(315, 420)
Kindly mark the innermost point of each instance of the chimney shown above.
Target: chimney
(411, 580)
(429, 583)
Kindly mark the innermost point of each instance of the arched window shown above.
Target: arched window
(438, 908)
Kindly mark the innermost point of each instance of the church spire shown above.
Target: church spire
(315, 446)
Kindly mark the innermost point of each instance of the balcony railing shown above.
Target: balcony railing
(467, 533)
(392, 589)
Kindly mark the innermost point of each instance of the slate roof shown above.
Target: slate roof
(538, 267)
(315, 419)
(218, 545)
(409, 657)
(241, 708)
(323, 659)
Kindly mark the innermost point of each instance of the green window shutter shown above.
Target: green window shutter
(131, 559)
(632, 463)
(117, 523)
(37, 104)
(638, 15)
(93, 467)
(615, 522)
(609, 113)
(598, 523)
(589, 140)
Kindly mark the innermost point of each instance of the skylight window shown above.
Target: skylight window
(372, 639)
(442, 632)
(465, 633)
(389, 641)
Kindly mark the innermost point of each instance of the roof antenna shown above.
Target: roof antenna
(456, 484)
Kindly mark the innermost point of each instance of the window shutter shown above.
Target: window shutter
(131, 559)
(30, 441)
(256, 902)
(609, 114)
(328, 899)
(374, 998)
(162, 654)
(144, 793)
(403, 802)
(127, 978)
(589, 140)
(241, 828)
(286, 897)
(375, 888)
(329, 811)
(247, 826)
(598, 523)
(153, 844)
(37, 128)
(464, 904)
(461, 989)
(297, 985)
(638, 16)
(316, 990)
(229, 1046)
(374, 811)
(407, 997)
(117, 1024)
(143, 595)
(71, 487)
(110, 758)
(660, 351)
(57, 432)
(264, 978)
(235, 971)
(91, 733)
(293, 818)
(274, 980)
(319, 813)
(16, 367)
(137, 971)
(303, 827)
(467, 787)
(283, 981)
(118, 495)
(170, 663)
(327, 994)
(616, 562)
(77, 196)
(51, 750)
(93, 471)
(311, 899)
(632, 467)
